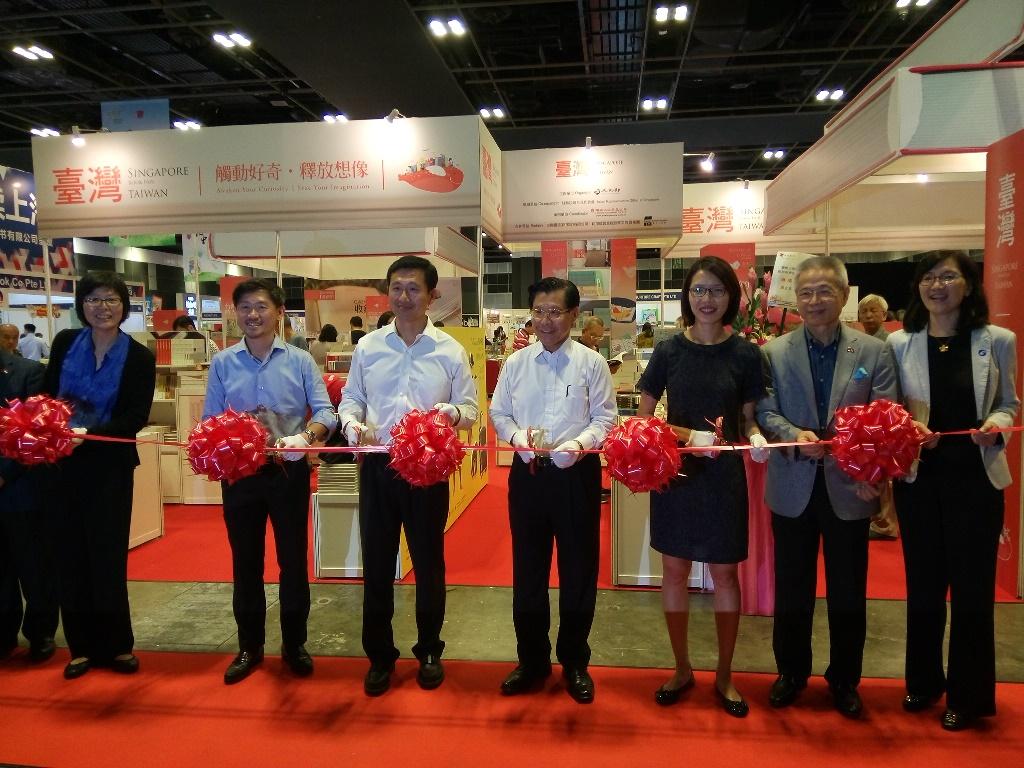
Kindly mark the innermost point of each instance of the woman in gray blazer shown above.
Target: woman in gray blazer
(956, 372)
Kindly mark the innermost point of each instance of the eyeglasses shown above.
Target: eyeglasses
(943, 280)
(106, 301)
(550, 313)
(822, 294)
(700, 291)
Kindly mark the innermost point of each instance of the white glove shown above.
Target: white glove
(565, 455)
(520, 442)
(699, 439)
(292, 441)
(354, 432)
(758, 452)
(77, 441)
(450, 412)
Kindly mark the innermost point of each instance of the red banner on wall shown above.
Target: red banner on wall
(1004, 285)
(741, 256)
(623, 289)
(554, 258)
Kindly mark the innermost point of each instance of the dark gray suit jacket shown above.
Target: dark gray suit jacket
(19, 378)
(864, 372)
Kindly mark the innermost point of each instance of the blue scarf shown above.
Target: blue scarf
(92, 391)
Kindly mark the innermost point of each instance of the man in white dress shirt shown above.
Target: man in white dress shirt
(556, 395)
(405, 365)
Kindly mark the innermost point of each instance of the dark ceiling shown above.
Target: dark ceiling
(738, 76)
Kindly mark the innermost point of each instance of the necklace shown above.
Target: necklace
(943, 347)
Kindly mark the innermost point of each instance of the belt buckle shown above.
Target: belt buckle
(544, 462)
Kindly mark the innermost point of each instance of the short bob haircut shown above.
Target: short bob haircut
(720, 269)
(973, 308)
(553, 285)
(254, 285)
(94, 280)
(328, 333)
(415, 262)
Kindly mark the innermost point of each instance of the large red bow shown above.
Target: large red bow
(426, 449)
(642, 453)
(227, 447)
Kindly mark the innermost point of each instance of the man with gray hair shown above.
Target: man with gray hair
(810, 372)
(871, 311)
(592, 333)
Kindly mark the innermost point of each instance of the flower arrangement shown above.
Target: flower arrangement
(756, 321)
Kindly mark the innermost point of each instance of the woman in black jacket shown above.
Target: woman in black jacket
(108, 378)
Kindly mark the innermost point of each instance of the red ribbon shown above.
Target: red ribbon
(35, 430)
(642, 453)
(334, 384)
(426, 449)
(227, 447)
(875, 442)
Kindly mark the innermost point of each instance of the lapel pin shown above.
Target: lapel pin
(850, 350)
(982, 352)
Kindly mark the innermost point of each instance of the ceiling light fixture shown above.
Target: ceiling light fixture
(76, 137)
(661, 13)
(221, 39)
(708, 163)
(681, 13)
(44, 132)
(240, 39)
(457, 27)
(767, 154)
(821, 95)
(26, 53)
(836, 95)
(902, 3)
(922, 3)
(40, 52)
(186, 125)
(393, 115)
(499, 113)
(779, 154)
(647, 104)
(437, 27)
(485, 112)
(661, 103)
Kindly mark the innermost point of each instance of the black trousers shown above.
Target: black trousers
(387, 504)
(27, 563)
(93, 514)
(845, 544)
(950, 523)
(279, 491)
(545, 506)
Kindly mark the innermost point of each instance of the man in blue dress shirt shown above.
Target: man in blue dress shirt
(278, 384)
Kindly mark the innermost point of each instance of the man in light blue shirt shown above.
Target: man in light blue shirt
(406, 365)
(278, 384)
(31, 346)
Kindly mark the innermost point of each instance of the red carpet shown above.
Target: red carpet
(177, 712)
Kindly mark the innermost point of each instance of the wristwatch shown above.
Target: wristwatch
(310, 435)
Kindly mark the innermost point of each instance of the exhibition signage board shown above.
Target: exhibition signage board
(297, 176)
(21, 249)
(623, 288)
(621, 191)
(490, 183)
(1004, 282)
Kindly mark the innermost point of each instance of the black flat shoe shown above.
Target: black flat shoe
(735, 707)
(666, 697)
(914, 702)
(42, 650)
(127, 666)
(76, 669)
(242, 666)
(523, 679)
(956, 721)
(298, 660)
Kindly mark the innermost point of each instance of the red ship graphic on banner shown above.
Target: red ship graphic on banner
(434, 173)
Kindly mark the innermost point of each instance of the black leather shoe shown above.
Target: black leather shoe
(243, 665)
(522, 679)
(666, 697)
(76, 669)
(735, 707)
(913, 702)
(298, 660)
(42, 650)
(785, 689)
(579, 684)
(378, 678)
(846, 700)
(956, 721)
(127, 666)
(431, 672)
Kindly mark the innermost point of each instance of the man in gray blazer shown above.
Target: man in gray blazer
(27, 564)
(809, 373)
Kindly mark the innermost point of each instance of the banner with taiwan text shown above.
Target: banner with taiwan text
(297, 176)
